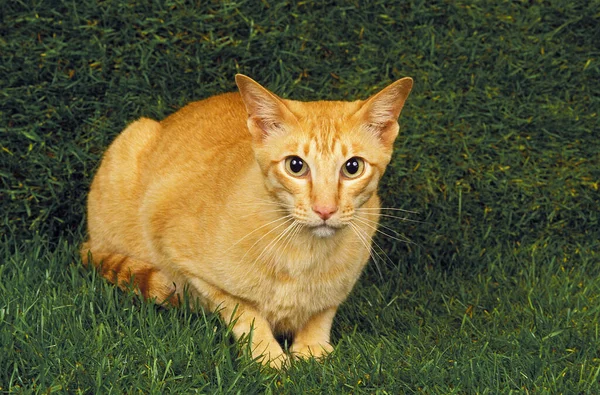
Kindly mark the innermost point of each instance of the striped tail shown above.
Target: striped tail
(125, 271)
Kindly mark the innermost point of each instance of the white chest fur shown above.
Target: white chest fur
(288, 292)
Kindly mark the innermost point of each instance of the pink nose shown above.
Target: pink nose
(325, 212)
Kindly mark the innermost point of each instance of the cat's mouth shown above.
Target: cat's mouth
(323, 230)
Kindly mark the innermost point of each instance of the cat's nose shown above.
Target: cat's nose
(325, 212)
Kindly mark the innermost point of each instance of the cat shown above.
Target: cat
(263, 208)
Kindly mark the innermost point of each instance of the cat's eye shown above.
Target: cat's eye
(353, 167)
(296, 166)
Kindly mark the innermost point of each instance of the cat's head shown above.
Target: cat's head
(323, 160)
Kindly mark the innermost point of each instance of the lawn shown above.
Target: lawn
(497, 291)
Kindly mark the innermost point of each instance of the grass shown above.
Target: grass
(499, 154)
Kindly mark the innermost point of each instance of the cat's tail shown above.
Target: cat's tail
(126, 272)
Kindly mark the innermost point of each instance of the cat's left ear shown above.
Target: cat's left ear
(380, 112)
(267, 114)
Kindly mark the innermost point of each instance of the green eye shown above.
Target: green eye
(296, 166)
(353, 167)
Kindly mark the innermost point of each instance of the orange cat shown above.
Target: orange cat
(263, 207)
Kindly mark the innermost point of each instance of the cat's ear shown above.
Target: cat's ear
(379, 113)
(267, 114)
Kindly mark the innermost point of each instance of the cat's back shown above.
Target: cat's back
(214, 124)
(214, 119)
(202, 129)
(152, 164)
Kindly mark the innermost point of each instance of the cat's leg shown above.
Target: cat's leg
(124, 270)
(248, 323)
(313, 339)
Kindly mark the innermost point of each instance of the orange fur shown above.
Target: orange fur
(203, 199)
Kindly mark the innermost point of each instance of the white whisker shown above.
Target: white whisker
(370, 249)
(387, 208)
(401, 218)
(383, 252)
(376, 223)
(274, 242)
(296, 226)
(382, 232)
(362, 238)
(375, 251)
(287, 218)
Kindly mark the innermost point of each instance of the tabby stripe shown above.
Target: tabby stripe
(122, 270)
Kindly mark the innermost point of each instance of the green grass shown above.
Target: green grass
(499, 154)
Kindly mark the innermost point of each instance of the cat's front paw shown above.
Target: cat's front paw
(273, 356)
(306, 351)
(279, 362)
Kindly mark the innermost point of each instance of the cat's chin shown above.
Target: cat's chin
(323, 231)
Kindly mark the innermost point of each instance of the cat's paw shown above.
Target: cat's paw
(279, 362)
(273, 356)
(306, 351)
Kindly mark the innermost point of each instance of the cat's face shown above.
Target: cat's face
(322, 160)
(324, 167)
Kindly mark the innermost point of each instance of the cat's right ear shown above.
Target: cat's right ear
(381, 111)
(267, 114)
